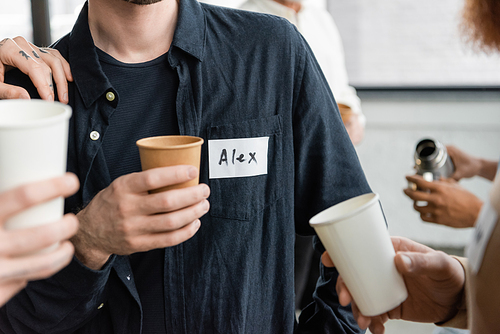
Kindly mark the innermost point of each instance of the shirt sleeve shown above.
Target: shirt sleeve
(327, 169)
(325, 314)
(327, 172)
(60, 304)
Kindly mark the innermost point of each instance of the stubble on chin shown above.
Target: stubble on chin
(142, 2)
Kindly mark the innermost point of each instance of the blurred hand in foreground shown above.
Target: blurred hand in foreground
(44, 66)
(19, 262)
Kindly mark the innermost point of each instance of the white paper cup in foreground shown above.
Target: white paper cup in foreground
(355, 235)
(33, 147)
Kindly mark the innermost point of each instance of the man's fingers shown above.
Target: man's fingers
(421, 183)
(174, 199)
(449, 181)
(428, 217)
(418, 195)
(402, 244)
(156, 178)
(55, 53)
(175, 220)
(166, 239)
(23, 197)
(327, 261)
(426, 209)
(36, 266)
(23, 241)
(362, 321)
(58, 76)
(435, 265)
(46, 62)
(377, 325)
(10, 289)
(343, 293)
(61, 71)
(10, 92)
(18, 53)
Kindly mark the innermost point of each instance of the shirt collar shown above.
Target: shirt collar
(91, 81)
(190, 32)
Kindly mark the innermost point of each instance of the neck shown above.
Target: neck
(295, 5)
(132, 33)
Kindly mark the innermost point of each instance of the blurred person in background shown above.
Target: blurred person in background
(448, 203)
(440, 291)
(321, 33)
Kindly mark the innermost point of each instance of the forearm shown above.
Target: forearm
(460, 319)
(488, 169)
(88, 256)
(85, 251)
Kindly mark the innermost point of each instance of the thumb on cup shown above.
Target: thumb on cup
(403, 263)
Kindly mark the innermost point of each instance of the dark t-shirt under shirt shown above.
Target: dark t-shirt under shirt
(147, 89)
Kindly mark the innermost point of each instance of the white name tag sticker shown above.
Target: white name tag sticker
(239, 157)
(485, 224)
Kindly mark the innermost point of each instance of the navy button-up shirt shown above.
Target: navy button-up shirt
(241, 75)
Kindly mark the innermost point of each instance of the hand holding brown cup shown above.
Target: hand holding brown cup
(163, 151)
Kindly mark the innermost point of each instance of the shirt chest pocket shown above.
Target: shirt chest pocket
(243, 181)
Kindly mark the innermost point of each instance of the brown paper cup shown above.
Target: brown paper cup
(345, 112)
(164, 151)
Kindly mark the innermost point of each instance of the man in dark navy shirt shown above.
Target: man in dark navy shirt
(276, 153)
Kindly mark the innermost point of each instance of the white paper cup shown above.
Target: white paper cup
(355, 235)
(33, 147)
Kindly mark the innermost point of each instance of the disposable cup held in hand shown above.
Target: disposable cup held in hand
(163, 151)
(355, 235)
(33, 147)
(345, 112)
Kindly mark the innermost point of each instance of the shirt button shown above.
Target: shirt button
(94, 135)
(100, 306)
(110, 96)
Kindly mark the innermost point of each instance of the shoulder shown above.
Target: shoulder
(240, 23)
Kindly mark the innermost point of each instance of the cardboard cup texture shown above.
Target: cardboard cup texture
(33, 147)
(354, 233)
(345, 112)
(164, 151)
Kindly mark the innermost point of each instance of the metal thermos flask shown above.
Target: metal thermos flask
(431, 159)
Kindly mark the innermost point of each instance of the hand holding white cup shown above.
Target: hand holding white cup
(33, 147)
(355, 235)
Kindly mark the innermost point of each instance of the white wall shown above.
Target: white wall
(398, 42)
(395, 123)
